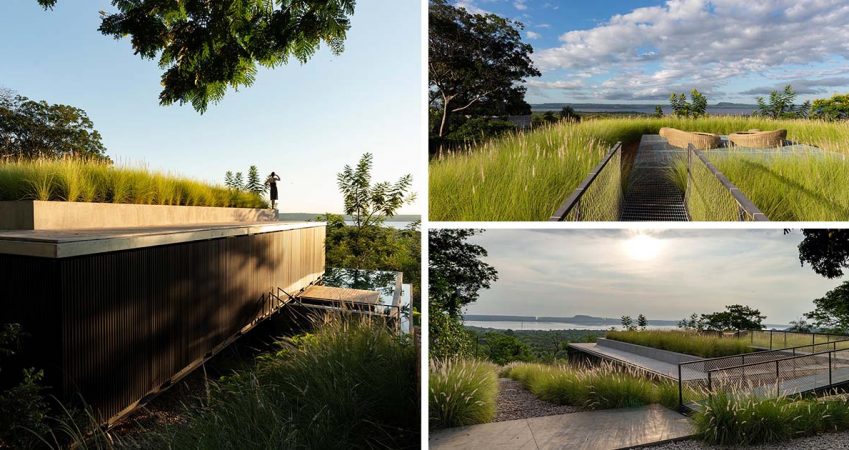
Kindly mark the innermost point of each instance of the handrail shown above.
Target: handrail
(744, 205)
(574, 199)
(715, 358)
(777, 360)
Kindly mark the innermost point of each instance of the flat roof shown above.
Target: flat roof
(68, 243)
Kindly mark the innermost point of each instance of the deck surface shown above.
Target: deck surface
(602, 430)
(318, 292)
(650, 194)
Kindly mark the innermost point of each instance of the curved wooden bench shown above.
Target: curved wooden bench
(759, 139)
(682, 139)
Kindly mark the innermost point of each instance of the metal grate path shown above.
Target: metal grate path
(651, 195)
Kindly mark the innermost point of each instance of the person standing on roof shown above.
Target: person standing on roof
(271, 183)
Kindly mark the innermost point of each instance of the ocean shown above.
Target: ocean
(499, 325)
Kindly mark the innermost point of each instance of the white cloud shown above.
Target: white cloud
(470, 6)
(533, 35)
(521, 5)
(701, 43)
(560, 84)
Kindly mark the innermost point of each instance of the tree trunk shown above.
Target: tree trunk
(444, 116)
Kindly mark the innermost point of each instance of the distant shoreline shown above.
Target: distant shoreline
(734, 109)
(310, 216)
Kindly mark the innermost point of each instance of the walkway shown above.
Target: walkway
(602, 430)
(650, 194)
(640, 362)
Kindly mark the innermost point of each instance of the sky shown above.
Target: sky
(304, 122)
(639, 51)
(664, 274)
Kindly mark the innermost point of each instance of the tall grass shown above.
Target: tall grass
(593, 387)
(78, 180)
(525, 176)
(690, 343)
(461, 392)
(738, 418)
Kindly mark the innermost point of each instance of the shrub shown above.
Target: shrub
(462, 392)
(690, 343)
(448, 337)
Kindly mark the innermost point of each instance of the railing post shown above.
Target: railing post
(681, 389)
(770, 339)
(710, 385)
(777, 381)
(829, 368)
(785, 339)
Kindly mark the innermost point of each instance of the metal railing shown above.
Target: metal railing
(710, 196)
(778, 339)
(599, 196)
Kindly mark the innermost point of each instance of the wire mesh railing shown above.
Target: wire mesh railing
(710, 196)
(777, 339)
(599, 196)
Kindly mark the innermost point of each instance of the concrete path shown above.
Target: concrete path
(602, 430)
(645, 363)
(650, 194)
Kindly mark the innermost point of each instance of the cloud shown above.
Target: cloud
(533, 35)
(470, 6)
(802, 87)
(560, 84)
(701, 43)
(521, 5)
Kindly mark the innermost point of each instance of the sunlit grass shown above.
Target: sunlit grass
(525, 176)
(77, 180)
(462, 392)
(690, 343)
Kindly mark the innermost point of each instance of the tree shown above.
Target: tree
(832, 310)
(30, 129)
(206, 47)
(628, 323)
(238, 181)
(735, 317)
(549, 117)
(780, 104)
(254, 184)
(642, 322)
(370, 204)
(229, 180)
(698, 108)
(682, 108)
(800, 326)
(694, 322)
(505, 348)
(456, 271)
(831, 109)
(658, 112)
(568, 114)
(827, 251)
(474, 58)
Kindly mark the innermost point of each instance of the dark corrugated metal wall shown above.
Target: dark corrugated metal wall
(131, 320)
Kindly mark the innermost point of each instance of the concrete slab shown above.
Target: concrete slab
(340, 294)
(593, 430)
(76, 242)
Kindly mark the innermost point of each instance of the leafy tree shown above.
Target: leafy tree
(204, 47)
(658, 112)
(549, 117)
(505, 348)
(682, 108)
(834, 108)
(254, 184)
(800, 326)
(642, 322)
(370, 204)
(456, 271)
(832, 310)
(826, 250)
(628, 323)
(735, 317)
(22, 400)
(238, 181)
(474, 58)
(780, 105)
(477, 128)
(30, 128)
(229, 180)
(447, 336)
(698, 107)
(694, 322)
(568, 113)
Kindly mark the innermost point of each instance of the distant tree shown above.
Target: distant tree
(683, 108)
(735, 317)
(254, 184)
(694, 322)
(505, 348)
(658, 112)
(474, 58)
(831, 109)
(229, 180)
(642, 322)
(238, 181)
(628, 323)
(206, 47)
(800, 326)
(568, 114)
(826, 250)
(369, 204)
(780, 105)
(680, 106)
(30, 129)
(456, 270)
(832, 310)
(698, 107)
(549, 117)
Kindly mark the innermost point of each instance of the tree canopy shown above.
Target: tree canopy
(827, 251)
(30, 128)
(695, 108)
(780, 105)
(834, 108)
(368, 203)
(832, 310)
(735, 317)
(204, 47)
(474, 59)
(456, 271)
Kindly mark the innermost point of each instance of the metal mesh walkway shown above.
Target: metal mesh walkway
(651, 195)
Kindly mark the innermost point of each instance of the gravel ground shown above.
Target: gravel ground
(515, 402)
(827, 441)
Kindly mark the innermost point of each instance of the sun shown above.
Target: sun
(643, 247)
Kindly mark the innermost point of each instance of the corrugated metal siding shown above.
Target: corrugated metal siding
(131, 320)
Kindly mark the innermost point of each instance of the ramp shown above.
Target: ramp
(651, 195)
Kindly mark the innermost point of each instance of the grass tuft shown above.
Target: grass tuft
(462, 392)
(690, 343)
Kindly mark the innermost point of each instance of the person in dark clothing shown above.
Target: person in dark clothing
(271, 182)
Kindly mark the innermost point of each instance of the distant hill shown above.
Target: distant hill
(291, 217)
(578, 319)
(721, 108)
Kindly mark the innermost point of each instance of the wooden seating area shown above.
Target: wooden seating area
(681, 139)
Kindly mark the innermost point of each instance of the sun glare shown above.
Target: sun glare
(643, 247)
